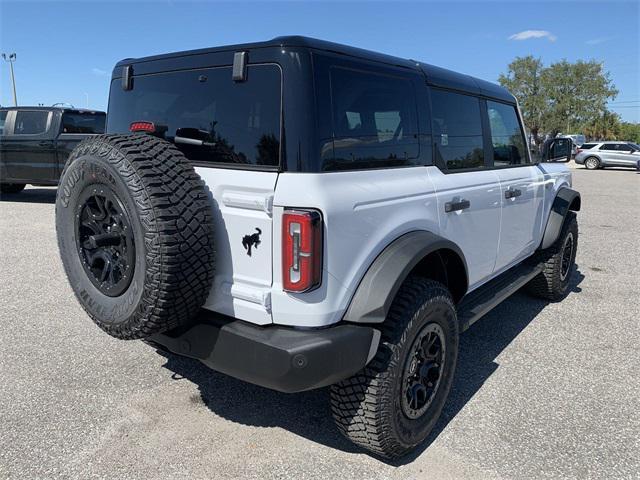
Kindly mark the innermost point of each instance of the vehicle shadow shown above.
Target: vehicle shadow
(31, 195)
(307, 414)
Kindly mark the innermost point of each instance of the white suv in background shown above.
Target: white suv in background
(608, 154)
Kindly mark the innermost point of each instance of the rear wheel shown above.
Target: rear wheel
(392, 405)
(592, 163)
(11, 187)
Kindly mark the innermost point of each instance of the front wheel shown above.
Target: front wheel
(11, 187)
(559, 261)
(394, 402)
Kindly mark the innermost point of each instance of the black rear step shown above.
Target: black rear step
(481, 301)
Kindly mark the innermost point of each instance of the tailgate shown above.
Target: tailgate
(242, 203)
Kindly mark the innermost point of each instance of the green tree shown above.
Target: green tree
(604, 127)
(576, 94)
(563, 97)
(630, 132)
(523, 80)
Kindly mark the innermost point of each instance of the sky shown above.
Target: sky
(66, 50)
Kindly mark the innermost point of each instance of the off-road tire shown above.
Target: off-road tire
(550, 284)
(592, 163)
(171, 222)
(11, 187)
(367, 407)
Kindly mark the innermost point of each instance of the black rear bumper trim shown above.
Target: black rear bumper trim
(281, 358)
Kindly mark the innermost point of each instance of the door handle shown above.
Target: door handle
(456, 205)
(512, 193)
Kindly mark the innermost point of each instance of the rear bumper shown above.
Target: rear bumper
(280, 358)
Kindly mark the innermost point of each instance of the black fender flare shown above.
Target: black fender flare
(381, 282)
(566, 199)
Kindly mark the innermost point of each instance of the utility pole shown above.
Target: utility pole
(12, 58)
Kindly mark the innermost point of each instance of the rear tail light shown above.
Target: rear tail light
(142, 127)
(301, 250)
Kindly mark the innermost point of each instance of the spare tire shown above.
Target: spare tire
(135, 234)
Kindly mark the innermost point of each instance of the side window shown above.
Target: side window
(374, 121)
(30, 122)
(457, 130)
(78, 122)
(608, 146)
(3, 119)
(506, 135)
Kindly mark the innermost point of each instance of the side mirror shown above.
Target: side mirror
(557, 150)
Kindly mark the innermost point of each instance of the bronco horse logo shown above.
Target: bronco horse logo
(253, 240)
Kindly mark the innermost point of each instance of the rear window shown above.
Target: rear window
(587, 146)
(208, 116)
(83, 122)
(31, 122)
(374, 120)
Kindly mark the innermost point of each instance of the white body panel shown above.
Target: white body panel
(476, 230)
(521, 216)
(363, 212)
(242, 202)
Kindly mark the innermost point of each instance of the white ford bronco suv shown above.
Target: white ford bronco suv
(301, 214)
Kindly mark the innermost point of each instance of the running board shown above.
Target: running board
(482, 300)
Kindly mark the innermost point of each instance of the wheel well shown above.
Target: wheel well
(446, 267)
(575, 204)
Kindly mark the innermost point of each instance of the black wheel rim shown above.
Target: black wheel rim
(567, 256)
(104, 238)
(423, 371)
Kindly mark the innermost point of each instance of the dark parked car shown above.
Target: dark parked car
(36, 141)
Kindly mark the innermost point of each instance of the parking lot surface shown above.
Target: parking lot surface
(542, 390)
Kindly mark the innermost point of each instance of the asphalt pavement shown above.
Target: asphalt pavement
(542, 390)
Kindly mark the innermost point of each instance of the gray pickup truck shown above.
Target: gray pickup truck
(35, 142)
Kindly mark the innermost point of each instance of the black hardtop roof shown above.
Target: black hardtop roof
(436, 76)
(56, 109)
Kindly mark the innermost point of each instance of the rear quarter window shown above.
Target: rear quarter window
(234, 123)
(587, 146)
